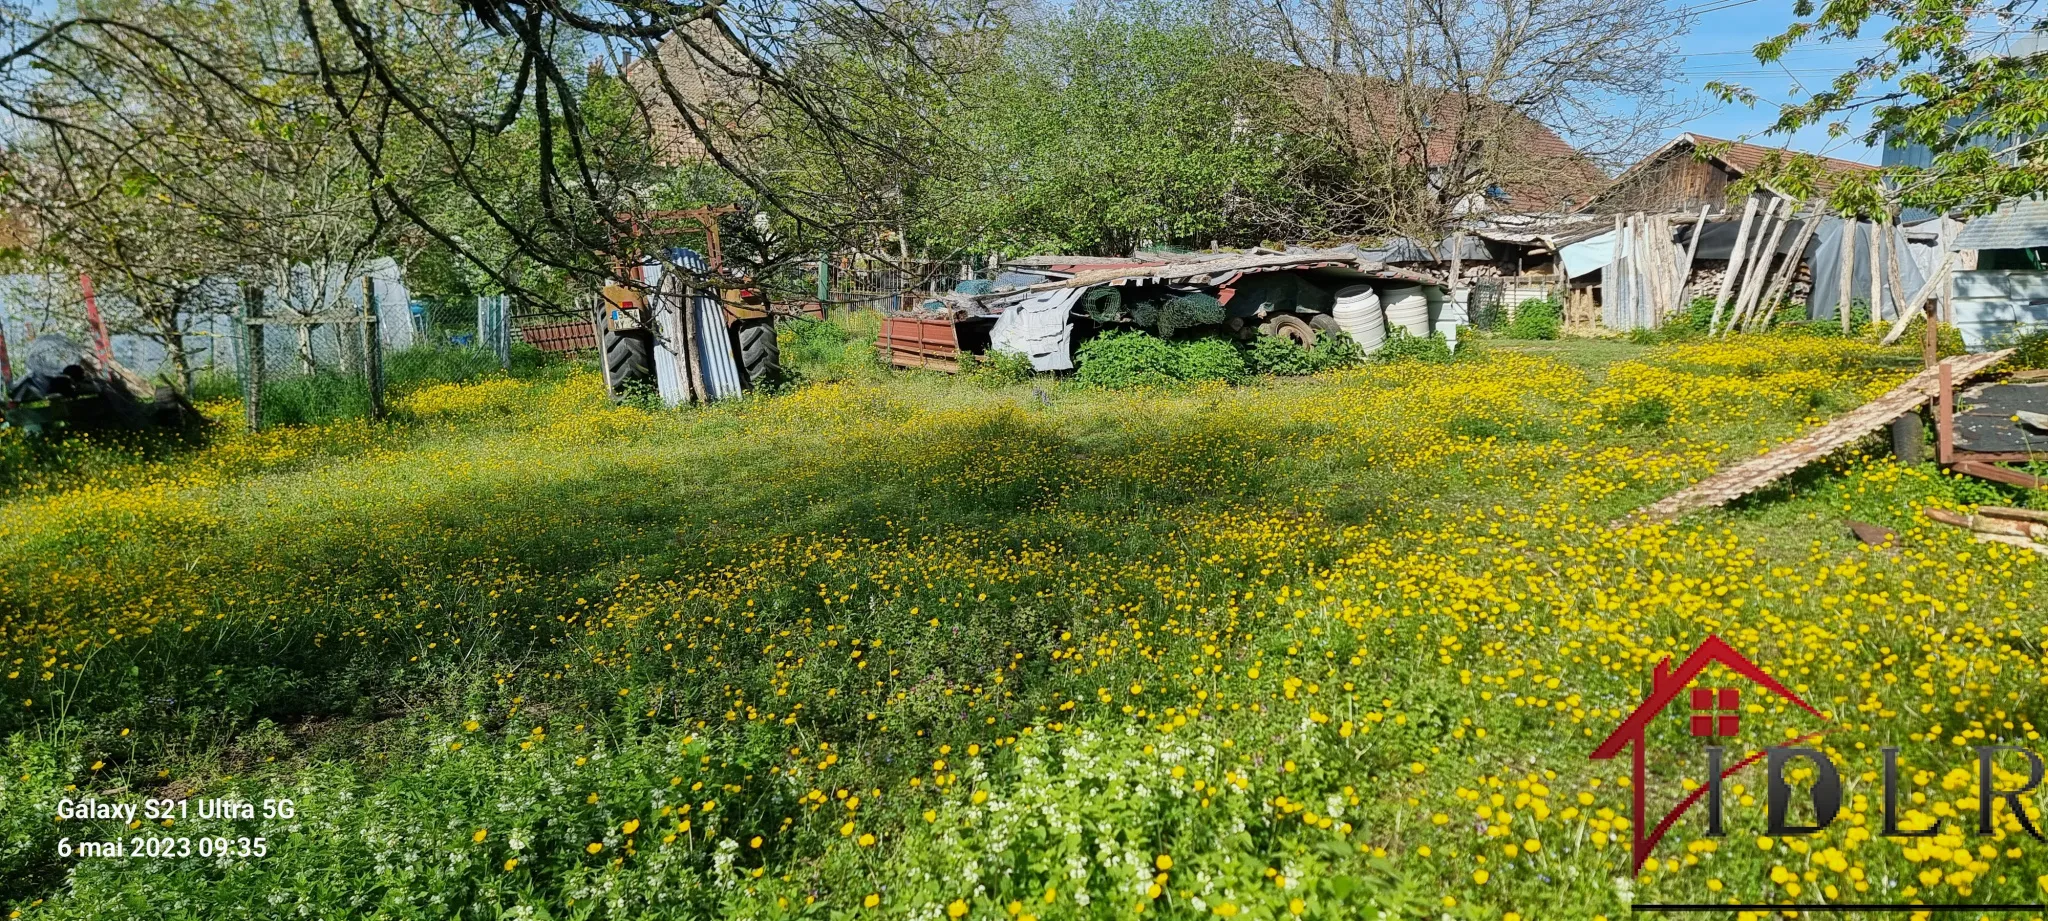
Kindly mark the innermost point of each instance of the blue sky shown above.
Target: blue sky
(1718, 48)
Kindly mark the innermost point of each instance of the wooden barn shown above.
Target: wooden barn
(1674, 179)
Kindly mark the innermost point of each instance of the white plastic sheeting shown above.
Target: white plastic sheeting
(1827, 268)
(1040, 328)
(1588, 255)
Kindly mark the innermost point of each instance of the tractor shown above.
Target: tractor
(679, 325)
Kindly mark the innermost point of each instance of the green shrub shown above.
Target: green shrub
(1209, 360)
(1119, 360)
(1536, 318)
(1279, 355)
(2030, 350)
(1336, 351)
(211, 384)
(1404, 346)
(997, 369)
(805, 342)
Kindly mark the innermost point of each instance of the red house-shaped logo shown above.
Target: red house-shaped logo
(1715, 714)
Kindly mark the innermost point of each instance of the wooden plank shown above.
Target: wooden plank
(1760, 471)
(1759, 268)
(1988, 471)
(1782, 283)
(1734, 264)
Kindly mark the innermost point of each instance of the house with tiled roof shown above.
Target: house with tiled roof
(1522, 166)
(1675, 178)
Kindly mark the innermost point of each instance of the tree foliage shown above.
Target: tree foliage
(1968, 81)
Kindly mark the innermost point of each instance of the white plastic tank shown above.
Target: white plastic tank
(1407, 308)
(1444, 316)
(1358, 314)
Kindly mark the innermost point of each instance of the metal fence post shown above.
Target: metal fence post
(373, 348)
(252, 357)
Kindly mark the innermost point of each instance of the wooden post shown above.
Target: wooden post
(1457, 261)
(1930, 342)
(7, 371)
(1947, 290)
(1921, 296)
(824, 284)
(252, 357)
(1876, 270)
(693, 357)
(1611, 292)
(1783, 283)
(1656, 268)
(1944, 416)
(1734, 264)
(373, 348)
(1692, 251)
(1893, 277)
(1759, 265)
(1845, 276)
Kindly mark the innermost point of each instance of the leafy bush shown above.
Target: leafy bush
(1402, 345)
(997, 369)
(1536, 318)
(2030, 350)
(1119, 360)
(1210, 360)
(1336, 351)
(1279, 355)
(808, 342)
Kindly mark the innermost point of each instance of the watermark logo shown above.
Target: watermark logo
(1713, 716)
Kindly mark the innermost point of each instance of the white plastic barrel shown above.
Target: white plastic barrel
(1357, 313)
(1407, 308)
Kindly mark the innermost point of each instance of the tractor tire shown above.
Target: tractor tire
(1289, 326)
(1324, 325)
(760, 357)
(628, 358)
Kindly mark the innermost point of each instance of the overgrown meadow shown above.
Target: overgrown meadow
(900, 645)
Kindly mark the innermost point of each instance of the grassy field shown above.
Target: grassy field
(902, 645)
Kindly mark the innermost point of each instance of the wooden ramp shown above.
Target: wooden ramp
(1760, 471)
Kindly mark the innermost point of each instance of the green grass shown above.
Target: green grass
(1018, 623)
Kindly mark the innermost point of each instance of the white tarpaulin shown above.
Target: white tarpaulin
(1587, 255)
(1039, 327)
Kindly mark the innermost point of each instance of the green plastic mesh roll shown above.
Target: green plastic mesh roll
(1103, 305)
(1188, 311)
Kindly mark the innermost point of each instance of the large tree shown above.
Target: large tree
(1438, 105)
(1967, 80)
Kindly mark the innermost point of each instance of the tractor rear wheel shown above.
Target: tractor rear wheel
(1289, 326)
(628, 358)
(760, 357)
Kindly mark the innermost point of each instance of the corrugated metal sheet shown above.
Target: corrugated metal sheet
(718, 367)
(2015, 225)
